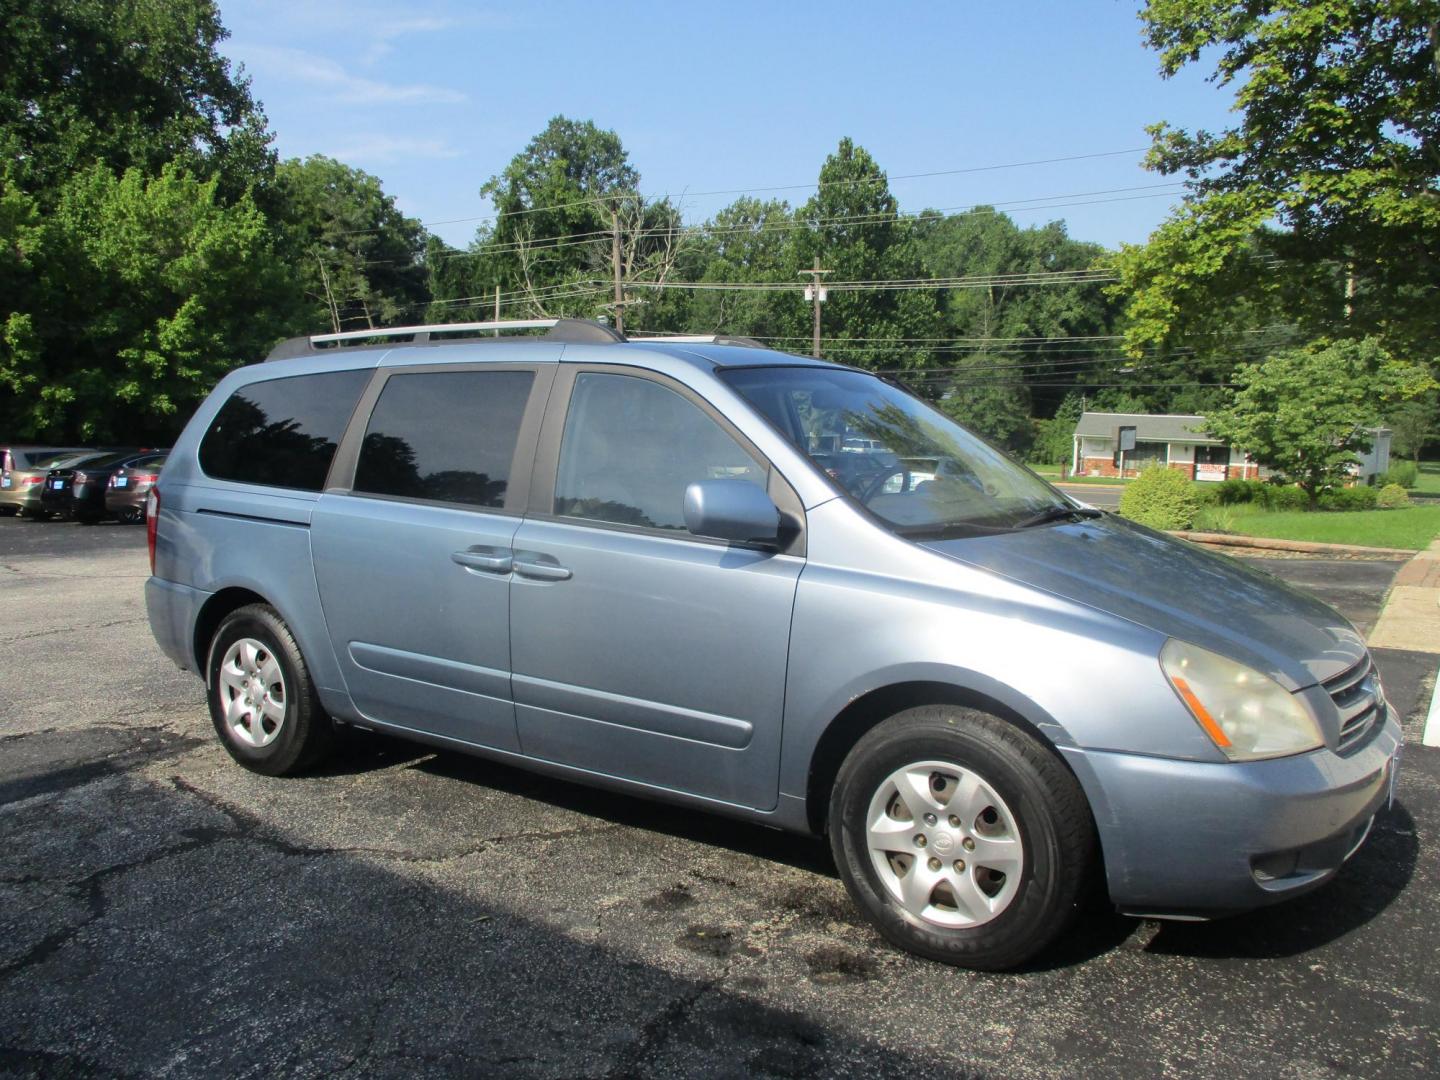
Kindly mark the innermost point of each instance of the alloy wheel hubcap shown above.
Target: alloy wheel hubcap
(252, 692)
(944, 844)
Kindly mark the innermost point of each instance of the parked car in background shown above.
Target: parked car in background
(89, 473)
(130, 484)
(22, 475)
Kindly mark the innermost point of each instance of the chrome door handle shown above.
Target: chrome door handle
(488, 560)
(541, 567)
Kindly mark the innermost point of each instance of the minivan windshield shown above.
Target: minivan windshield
(909, 465)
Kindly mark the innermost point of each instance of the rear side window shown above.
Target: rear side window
(282, 432)
(445, 436)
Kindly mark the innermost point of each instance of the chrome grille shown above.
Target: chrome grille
(1356, 693)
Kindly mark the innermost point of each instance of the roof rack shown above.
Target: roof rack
(700, 339)
(569, 330)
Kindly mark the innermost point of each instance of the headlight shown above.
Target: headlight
(1246, 714)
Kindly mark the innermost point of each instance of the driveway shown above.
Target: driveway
(407, 912)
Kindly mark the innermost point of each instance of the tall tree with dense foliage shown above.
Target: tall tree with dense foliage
(357, 257)
(1304, 412)
(136, 205)
(852, 224)
(145, 291)
(1336, 144)
(129, 83)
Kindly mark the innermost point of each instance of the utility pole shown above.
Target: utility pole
(497, 309)
(816, 293)
(615, 267)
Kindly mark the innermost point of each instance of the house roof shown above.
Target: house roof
(1149, 427)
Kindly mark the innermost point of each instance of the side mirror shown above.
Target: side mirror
(734, 510)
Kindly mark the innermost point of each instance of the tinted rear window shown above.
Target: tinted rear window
(282, 432)
(445, 436)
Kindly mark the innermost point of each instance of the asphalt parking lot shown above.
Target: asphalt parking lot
(405, 912)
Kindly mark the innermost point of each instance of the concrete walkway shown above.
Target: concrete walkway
(1411, 618)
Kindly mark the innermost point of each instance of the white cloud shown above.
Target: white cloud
(340, 84)
(377, 147)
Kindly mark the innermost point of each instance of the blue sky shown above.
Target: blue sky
(435, 97)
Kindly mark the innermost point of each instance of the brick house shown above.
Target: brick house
(1177, 441)
(1181, 442)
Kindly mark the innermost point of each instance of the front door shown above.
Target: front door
(639, 650)
(413, 561)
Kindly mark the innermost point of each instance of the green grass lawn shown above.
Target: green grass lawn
(1412, 528)
(1428, 482)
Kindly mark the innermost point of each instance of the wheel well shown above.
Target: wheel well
(212, 615)
(866, 711)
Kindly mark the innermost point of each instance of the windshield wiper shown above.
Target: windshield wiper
(1057, 513)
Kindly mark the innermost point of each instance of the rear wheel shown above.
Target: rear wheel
(261, 697)
(961, 837)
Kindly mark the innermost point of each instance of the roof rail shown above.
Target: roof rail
(701, 339)
(571, 330)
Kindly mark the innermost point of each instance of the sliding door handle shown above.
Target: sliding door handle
(484, 559)
(531, 564)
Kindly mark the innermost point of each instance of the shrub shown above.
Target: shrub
(1161, 498)
(1235, 490)
(1391, 497)
(1283, 497)
(1402, 473)
(1354, 498)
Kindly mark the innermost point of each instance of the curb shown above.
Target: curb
(1300, 546)
(1410, 617)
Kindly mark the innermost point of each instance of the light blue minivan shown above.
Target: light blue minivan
(777, 588)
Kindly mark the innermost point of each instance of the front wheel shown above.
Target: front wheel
(262, 701)
(961, 837)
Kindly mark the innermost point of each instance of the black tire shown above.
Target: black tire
(306, 734)
(1047, 803)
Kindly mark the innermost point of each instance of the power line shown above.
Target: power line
(882, 179)
(875, 218)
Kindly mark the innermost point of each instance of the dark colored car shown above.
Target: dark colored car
(22, 474)
(76, 487)
(130, 484)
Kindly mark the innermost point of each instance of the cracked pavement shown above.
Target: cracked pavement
(407, 912)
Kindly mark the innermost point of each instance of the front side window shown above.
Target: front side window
(282, 432)
(912, 467)
(446, 436)
(630, 449)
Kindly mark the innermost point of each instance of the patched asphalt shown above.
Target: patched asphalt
(403, 912)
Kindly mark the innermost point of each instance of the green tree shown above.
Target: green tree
(1337, 142)
(852, 225)
(141, 292)
(130, 83)
(357, 258)
(1413, 424)
(553, 204)
(1304, 412)
(751, 240)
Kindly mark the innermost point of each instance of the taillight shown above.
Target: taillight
(29, 480)
(152, 523)
(146, 478)
(80, 478)
(111, 482)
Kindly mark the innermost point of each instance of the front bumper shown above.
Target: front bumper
(1184, 838)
